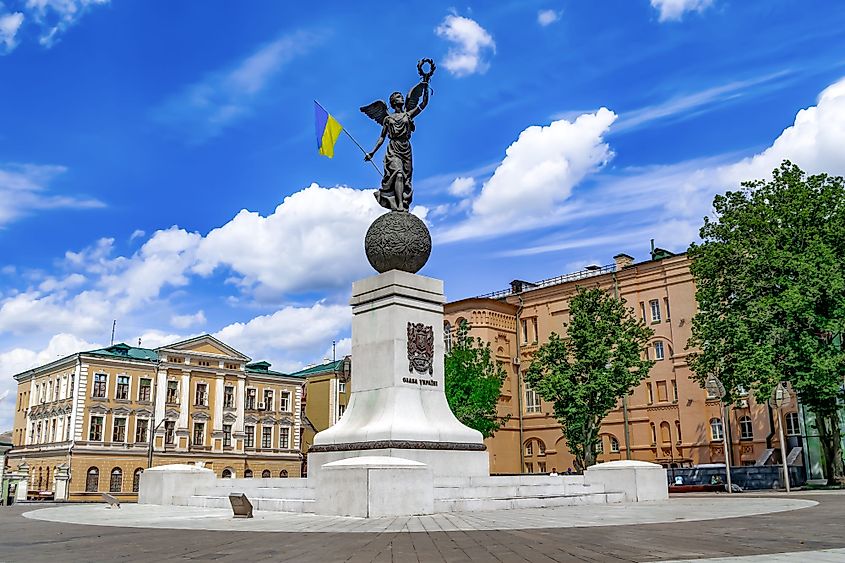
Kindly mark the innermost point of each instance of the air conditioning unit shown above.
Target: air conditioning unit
(743, 404)
(516, 360)
(261, 406)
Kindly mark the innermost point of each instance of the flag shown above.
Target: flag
(328, 130)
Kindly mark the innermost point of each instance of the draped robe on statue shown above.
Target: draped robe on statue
(397, 158)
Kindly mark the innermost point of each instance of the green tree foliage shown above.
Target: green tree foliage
(770, 286)
(473, 382)
(585, 373)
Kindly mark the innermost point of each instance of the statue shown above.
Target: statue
(397, 190)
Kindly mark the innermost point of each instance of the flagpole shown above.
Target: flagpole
(357, 144)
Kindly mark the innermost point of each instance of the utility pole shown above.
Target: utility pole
(113, 325)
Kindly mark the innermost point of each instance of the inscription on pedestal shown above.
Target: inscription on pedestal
(420, 348)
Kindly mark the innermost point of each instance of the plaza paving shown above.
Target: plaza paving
(799, 527)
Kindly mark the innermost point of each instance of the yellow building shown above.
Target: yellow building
(88, 418)
(667, 419)
(327, 390)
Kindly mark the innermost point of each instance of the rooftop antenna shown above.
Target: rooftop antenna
(113, 325)
(334, 350)
(139, 342)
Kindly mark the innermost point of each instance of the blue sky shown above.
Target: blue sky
(158, 162)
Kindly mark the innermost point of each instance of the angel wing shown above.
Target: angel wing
(376, 111)
(414, 96)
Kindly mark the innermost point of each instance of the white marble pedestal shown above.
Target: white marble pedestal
(398, 406)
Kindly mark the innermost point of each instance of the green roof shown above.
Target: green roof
(263, 368)
(322, 368)
(123, 350)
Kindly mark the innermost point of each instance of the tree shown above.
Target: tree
(770, 286)
(474, 383)
(585, 373)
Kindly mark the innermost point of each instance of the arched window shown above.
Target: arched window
(265, 474)
(92, 480)
(614, 444)
(40, 480)
(653, 433)
(535, 452)
(600, 446)
(678, 431)
(447, 336)
(248, 473)
(136, 479)
(746, 429)
(793, 428)
(717, 432)
(283, 473)
(665, 433)
(116, 481)
(227, 474)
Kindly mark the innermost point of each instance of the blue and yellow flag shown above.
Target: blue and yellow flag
(328, 130)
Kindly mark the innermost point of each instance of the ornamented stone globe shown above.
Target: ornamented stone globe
(398, 241)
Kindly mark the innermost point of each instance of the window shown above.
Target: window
(536, 332)
(144, 387)
(284, 401)
(227, 474)
(204, 363)
(283, 473)
(654, 305)
(675, 390)
(99, 391)
(746, 429)
(341, 387)
(169, 431)
(141, 427)
(529, 468)
(666, 307)
(266, 436)
(541, 466)
(249, 436)
(250, 399)
(793, 428)
(67, 429)
(122, 390)
(447, 336)
(665, 433)
(650, 393)
(228, 397)
(653, 433)
(525, 331)
(661, 392)
(199, 433)
(284, 437)
(600, 446)
(248, 473)
(529, 448)
(119, 430)
(717, 433)
(136, 480)
(268, 399)
(265, 474)
(92, 480)
(340, 410)
(70, 391)
(658, 350)
(49, 393)
(227, 435)
(614, 444)
(201, 394)
(116, 481)
(642, 311)
(172, 391)
(532, 401)
(95, 432)
(678, 431)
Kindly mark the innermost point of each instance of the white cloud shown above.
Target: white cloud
(9, 26)
(18, 359)
(536, 176)
(187, 321)
(547, 17)
(137, 233)
(312, 241)
(471, 44)
(24, 190)
(56, 16)
(204, 109)
(462, 186)
(674, 10)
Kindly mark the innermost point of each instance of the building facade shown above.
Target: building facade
(327, 391)
(97, 419)
(668, 419)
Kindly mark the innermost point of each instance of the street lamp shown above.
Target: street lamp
(781, 398)
(716, 389)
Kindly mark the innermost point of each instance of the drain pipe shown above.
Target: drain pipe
(519, 397)
(627, 433)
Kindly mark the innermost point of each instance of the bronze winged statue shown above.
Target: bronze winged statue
(396, 190)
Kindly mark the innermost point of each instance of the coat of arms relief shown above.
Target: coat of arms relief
(420, 348)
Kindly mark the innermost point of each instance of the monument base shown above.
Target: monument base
(442, 463)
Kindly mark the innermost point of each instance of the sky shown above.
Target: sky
(159, 168)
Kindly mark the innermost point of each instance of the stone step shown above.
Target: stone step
(276, 482)
(502, 491)
(268, 504)
(509, 480)
(540, 501)
(259, 492)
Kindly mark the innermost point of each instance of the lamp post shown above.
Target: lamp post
(781, 398)
(716, 389)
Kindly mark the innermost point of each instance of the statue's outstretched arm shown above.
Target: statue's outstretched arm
(424, 102)
(369, 156)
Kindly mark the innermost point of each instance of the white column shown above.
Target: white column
(186, 399)
(217, 421)
(240, 398)
(161, 395)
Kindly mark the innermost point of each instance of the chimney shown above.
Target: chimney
(623, 261)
